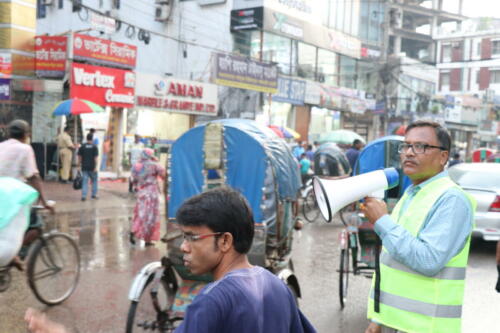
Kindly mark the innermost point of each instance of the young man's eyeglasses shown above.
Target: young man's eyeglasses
(417, 148)
(193, 238)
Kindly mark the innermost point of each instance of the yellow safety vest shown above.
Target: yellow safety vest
(410, 301)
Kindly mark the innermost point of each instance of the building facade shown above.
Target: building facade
(469, 80)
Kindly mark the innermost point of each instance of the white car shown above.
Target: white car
(482, 181)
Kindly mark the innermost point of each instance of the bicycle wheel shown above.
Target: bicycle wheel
(53, 268)
(310, 207)
(142, 315)
(343, 276)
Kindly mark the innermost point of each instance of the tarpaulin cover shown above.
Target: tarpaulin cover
(379, 154)
(330, 160)
(14, 195)
(250, 148)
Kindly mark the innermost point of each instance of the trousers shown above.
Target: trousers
(65, 156)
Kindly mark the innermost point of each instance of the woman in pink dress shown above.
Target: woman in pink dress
(145, 175)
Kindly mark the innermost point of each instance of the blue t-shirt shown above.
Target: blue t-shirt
(305, 164)
(250, 300)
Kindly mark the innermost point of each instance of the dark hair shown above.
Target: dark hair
(441, 133)
(18, 129)
(92, 130)
(356, 141)
(221, 210)
(90, 137)
(456, 155)
(66, 129)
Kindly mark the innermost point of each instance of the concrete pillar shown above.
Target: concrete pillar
(460, 6)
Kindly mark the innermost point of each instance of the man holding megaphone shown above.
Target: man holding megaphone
(425, 241)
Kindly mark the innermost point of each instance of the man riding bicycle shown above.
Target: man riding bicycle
(18, 162)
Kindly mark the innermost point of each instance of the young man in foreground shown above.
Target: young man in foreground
(218, 231)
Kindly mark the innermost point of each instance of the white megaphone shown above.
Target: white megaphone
(333, 195)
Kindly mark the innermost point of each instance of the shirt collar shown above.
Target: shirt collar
(412, 189)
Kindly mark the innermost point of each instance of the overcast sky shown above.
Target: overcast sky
(475, 8)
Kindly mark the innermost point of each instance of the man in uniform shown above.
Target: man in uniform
(65, 145)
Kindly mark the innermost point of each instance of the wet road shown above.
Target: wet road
(109, 264)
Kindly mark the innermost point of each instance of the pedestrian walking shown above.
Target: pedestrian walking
(456, 160)
(87, 160)
(65, 146)
(426, 239)
(145, 177)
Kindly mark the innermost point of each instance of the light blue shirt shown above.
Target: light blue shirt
(442, 235)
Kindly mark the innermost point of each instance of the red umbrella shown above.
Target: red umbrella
(277, 130)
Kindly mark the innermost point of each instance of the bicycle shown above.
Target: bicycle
(53, 265)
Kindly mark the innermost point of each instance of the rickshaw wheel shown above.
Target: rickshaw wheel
(142, 315)
(343, 276)
(310, 207)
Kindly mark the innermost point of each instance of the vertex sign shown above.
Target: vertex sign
(103, 86)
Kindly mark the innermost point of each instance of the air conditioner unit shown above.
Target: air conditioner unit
(47, 2)
(162, 13)
(162, 2)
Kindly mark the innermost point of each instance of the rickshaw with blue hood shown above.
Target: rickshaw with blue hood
(250, 158)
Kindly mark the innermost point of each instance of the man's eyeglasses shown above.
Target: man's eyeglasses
(417, 148)
(193, 238)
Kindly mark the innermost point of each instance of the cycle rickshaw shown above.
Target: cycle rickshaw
(248, 157)
(358, 241)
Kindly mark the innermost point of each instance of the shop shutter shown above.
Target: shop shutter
(484, 78)
(456, 79)
(486, 48)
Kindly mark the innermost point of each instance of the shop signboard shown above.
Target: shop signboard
(176, 95)
(290, 91)
(102, 85)
(247, 19)
(312, 93)
(102, 23)
(103, 51)
(244, 73)
(4, 89)
(50, 56)
(5, 65)
(300, 28)
(369, 52)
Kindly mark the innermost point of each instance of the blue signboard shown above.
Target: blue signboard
(4, 89)
(290, 91)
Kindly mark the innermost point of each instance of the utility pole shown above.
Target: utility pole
(380, 122)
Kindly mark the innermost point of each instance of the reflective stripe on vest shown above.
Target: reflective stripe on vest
(447, 273)
(423, 308)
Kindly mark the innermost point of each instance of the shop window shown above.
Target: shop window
(495, 47)
(348, 75)
(277, 49)
(41, 9)
(445, 81)
(495, 77)
(327, 67)
(446, 56)
(306, 60)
